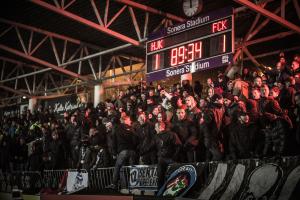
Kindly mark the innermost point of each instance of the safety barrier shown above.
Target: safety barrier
(32, 182)
(233, 178)
(100, 178)
(52, 178)
(29, 181)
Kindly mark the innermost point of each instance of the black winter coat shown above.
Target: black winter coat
(74, 135)
(124, 139)
(187, 133)
(146, 135)
(212, 122)
(287, 98)
(275, 138)
(193, 114)
(269, 108)
(57, 154)
(242, 140)
(167, 145)
(99, 139)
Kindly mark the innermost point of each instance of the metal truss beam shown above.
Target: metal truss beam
(27, 51)
(244, 8)
(103, 79)
(14, 91)
(86, 22)
(269, 38)
(42, 62)
(254, 30)
(49, 34)
(151, 10)
(37, 69)
(297, 7)
(18, 62)
(266, 39)
(26, 75)
(251, 56)
(97, 54)
(297, 48)
(270, 15)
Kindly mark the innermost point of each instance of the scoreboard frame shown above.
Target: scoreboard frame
(179, 42)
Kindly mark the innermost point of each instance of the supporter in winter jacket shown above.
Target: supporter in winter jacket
(192, 112)
(275, 138)
(57, 152)
(268, 107)
(46, 138)
(297, 113)
(142, 102)
(98, 156)
(74, 135)
(252, 104)
(20, 155)
(295, 68)
(231, 108)
(167, 145)
(243, 137)
(35, 162)
(210, 127)
(230, 117)
(125, 143)
(145, 133)
(85, 155)
(287, 96)
(187, 132)
(281, 73)
(5, 154)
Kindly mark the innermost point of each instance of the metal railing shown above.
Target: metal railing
(98, 179)
(32, 182)
(29, 181)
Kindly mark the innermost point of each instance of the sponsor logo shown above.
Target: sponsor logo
(179, 182)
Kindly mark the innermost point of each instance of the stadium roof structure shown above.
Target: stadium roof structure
(53, 46)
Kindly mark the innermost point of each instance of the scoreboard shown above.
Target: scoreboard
(202, 43)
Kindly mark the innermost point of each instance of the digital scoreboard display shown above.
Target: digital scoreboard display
(201, 43)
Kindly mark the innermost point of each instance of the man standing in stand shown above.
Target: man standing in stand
(125, 142)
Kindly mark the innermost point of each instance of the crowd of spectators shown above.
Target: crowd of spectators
(250, 115)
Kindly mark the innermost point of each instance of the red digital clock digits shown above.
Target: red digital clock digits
(186, 53)
(181, 54)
